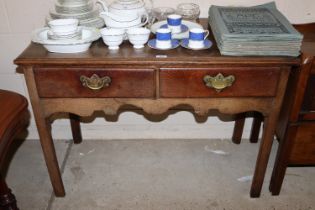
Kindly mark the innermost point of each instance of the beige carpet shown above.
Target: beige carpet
(155, 175)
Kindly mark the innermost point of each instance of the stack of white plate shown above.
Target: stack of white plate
(83, 10)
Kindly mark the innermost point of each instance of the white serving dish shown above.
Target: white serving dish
(68, 48)
(183, 35)
(68, 45)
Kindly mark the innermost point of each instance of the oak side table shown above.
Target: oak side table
(154, 81)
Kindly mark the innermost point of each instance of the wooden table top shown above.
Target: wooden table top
(99, 54)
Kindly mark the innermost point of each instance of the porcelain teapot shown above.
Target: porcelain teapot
(124, 13)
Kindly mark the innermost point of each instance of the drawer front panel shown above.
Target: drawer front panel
(189, 83)
(303, 150)
(125, 83)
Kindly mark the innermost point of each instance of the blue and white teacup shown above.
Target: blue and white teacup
(197, 37)
(174, 22)
(163, 38)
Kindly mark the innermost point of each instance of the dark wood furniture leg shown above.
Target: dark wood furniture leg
(263, 156)
(282, 160)
(14, 118)
(239, 127)
(7, 198)
(44, 131)
(270, 123)
(75, 128)
(254, 134)
(238, 130)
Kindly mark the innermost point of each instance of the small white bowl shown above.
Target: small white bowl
(138, 36)
(112, 37)
(63, 26)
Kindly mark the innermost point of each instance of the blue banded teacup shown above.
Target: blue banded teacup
(197, 37)
(163, 38)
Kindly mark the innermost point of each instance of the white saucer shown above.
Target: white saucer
(183, 28)
(183, 35)
(152, 44)
(207, 44)
(89, 34)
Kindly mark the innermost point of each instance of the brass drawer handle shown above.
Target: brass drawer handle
(95, 82)
(218, 82)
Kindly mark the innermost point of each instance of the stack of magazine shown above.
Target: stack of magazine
(260, 30)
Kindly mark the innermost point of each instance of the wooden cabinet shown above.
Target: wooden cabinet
(303, 144)
(309, 98)
(296, 124)
(296, 127)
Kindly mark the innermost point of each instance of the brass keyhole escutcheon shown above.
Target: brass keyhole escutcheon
(95, 82)
(218, 82)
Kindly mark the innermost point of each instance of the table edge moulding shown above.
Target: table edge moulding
(154, 81)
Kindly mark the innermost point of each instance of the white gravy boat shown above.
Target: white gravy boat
(130, 17)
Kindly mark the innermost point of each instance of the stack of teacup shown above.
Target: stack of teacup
(196, 40)
(164, 34)
(64, 29)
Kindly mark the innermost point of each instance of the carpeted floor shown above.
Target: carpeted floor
(154, 175)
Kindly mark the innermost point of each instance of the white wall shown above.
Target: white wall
(17, 20)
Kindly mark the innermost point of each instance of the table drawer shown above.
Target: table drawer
(303, 146)
(190, 82)
(79, 82)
